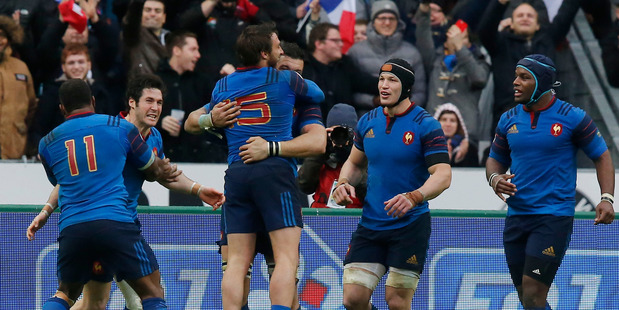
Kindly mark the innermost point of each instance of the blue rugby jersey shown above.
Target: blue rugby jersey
(399, 151)
(540, 150)
(267, 98)
(86, 155)
(134, 178)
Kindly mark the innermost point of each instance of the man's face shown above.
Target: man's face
(153, 15)
(148, 108)
(331, 46)
(389, 89)
(188, 55)
(287, 63)
(76, 66)
(437, 16)
(524, 85)
(386, 23)
(524, 20)
(361, 33)
(72, 36)
(276, 51)
(4, 41)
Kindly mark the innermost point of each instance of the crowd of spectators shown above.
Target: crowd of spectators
(459, 49)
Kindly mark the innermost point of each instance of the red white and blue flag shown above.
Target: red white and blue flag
(342, 13)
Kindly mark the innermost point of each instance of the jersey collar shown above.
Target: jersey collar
(552, 101)
(78, 115)
(123, 115)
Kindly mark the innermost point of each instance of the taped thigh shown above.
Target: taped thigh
(402, 278)
(364, 274)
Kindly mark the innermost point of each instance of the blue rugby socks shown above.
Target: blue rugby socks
(279, 307)
(55, 303)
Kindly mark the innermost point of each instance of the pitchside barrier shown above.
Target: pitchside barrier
(465, 268)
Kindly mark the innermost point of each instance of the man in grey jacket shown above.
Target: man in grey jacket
(385, 41)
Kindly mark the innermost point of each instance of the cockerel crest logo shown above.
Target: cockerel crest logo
(408, 138)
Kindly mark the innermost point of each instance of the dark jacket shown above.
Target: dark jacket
(339, 80)
(142, 48)
(507, 48)
(188, 92)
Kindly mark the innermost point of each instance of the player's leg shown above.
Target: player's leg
(95, 295)
(135, 262)
(545, 250)
(407, 252)
(223, 251)
(241, 249)
(285, 242)
(64, 297)
(364, 266)
(515, 235)
(132, 299)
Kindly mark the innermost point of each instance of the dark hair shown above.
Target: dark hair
(74, 49)
(319, 33)
(13, 31)
(74, 94)
(253, 40)
(292, 50)
(161, 1)
(177, 39)
(137, 85)
(361, 21)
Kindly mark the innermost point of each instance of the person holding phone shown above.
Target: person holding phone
(458, 72)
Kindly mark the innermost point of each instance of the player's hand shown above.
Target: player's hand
(211, 196)
(501, 185)
(344, 194)
(37, 223)
(169, 171)
(604, 213)
(227, 69)
(171, 125)
(224, 114)
(398, 206)
(255, 150)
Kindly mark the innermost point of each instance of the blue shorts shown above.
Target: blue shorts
(405, 247)
(260, 196)
(100, 249)
(536, 244)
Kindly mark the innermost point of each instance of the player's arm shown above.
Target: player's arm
(312, 142)
(39, 221)
(497, 164)
(207, 194)
(350, 176)
(223, 114)
(307, 90)
(604, 212)
(142, 156)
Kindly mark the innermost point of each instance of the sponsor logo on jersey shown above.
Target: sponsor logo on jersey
(97, 269)
(369, 134)
(512, 129)
(556, 129)
(549, 251)
(408, 138)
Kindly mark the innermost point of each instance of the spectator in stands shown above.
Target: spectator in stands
(17, 100)
(439, 21)
(524, 36)
(144, 36)
(75, 64)
(188, 90)
(461, 152)
(333, 72)
(319, 174)
(217, 24)
(361, 30)
(457, 71)
(385, 41)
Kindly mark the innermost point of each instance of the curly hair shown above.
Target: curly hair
(11, 29)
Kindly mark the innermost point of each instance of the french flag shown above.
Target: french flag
(342, 13)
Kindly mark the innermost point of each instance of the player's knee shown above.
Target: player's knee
(402, 278)
(364, 274)
(355, 300)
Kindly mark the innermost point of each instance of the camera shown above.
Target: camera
(339, 143)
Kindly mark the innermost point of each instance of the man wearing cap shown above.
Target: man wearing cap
(538, 140)
(405, 152)
(385, 40)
